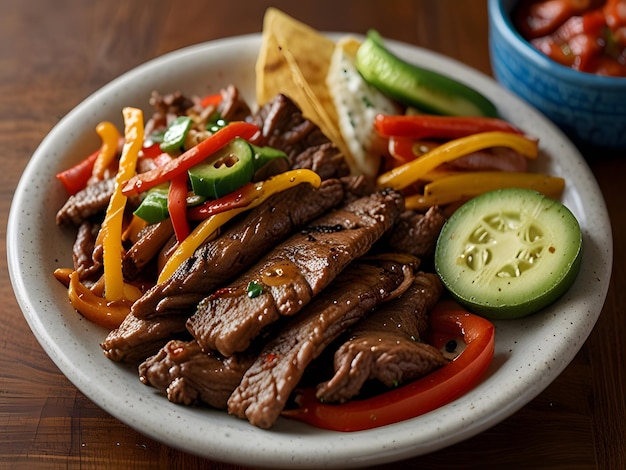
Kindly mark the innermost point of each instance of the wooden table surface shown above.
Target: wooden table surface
(54, 54)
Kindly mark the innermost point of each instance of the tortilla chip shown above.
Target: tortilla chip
(294, 60)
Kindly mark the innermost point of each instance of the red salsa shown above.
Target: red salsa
(586, 35)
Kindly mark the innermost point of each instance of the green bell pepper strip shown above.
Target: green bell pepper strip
(153, 207)
(149, 179)
(176, 133)
(416, 86)
(448, 321)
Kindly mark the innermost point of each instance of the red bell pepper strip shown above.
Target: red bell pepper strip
(177, 206)
(424, 126)
(75, 178)
(144, 181)
(211, 100)
(448, 321)
(238, 198)
(405, 149)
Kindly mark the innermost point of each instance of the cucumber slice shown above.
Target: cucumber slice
(509, 253)
(225, 171)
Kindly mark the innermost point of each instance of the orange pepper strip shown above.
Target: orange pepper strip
(109, 314)
(110, 234)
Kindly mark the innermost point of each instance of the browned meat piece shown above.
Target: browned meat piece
(166, 108)
(386, 345)
(326, 160)
(294, 272)
(135, 339)
(221, 260)
(233, 107)
(189, 376)
(267, 384)
(86, 203)
(151, 240)
(417, 233)
(284, 127)
(82, 251)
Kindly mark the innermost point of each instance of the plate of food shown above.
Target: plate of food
(173, 366)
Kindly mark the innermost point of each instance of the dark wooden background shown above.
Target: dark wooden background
(53, 54)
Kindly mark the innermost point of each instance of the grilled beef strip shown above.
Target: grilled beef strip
(86, 265)
(213, 264)
(221, 260)
(284, 127)
(416, 233)
(268, 383)
(288, 277)
(136, 339)
(188, 375)
(151, 241)
(386, 345)
(86, 203)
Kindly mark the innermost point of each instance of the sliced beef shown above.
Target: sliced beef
(288, 277)
(284, 127)
(85, 264)
(138, 338)
(187, 375)
(86, 203)
(219, 261)
(268, 383)
(166, 108)
(150, 242)
(416, 233)
(233, 107)
(326, 160)
(386, 345)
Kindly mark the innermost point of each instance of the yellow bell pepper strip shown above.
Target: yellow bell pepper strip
(463, 186)
(109, 314)
(110, 234)
(177, 206)
(108, 150)
(144, 181)
(424, 126)
(133, 229)
(448, 322)
(404, 175)
(255, 194)
(75, 178)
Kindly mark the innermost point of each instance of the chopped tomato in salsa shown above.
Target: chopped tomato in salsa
(586, 35)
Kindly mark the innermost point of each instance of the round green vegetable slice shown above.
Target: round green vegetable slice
(225, 171)
(509, 253)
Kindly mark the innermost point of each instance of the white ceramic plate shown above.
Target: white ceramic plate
(530, 353)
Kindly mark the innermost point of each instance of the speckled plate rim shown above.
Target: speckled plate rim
(530, 353)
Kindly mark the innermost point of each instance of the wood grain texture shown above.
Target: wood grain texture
(54, 54)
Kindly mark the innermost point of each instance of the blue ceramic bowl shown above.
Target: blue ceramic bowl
(590, 109)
